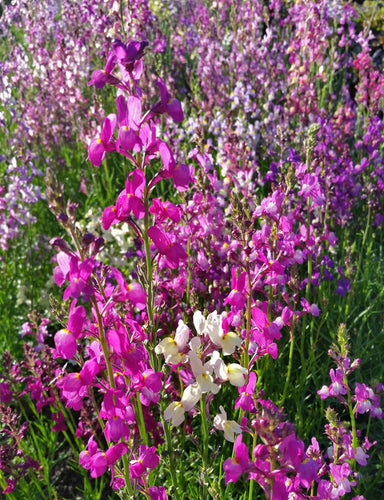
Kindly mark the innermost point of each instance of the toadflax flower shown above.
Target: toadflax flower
(175, 412)
(65, 339)
(230, 427)
(172, 348)
(234, 467)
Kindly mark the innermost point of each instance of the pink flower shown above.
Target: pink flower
(105, 143)
(234, 467)
(65, 339)
(167, 104)
(129, 117)
(77, 272)
(173, 252)
(164, 210)
(147, 459)
(246, 400)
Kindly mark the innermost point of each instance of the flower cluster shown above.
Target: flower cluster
(224, 255)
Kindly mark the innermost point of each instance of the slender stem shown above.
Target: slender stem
(351, 414)
(140, 420)
(249, 311)
(205, 435)
(251, 482)
(148, 262)
(189, 269)
(168, 441)
(289, 371)
(103, 342)
(126, 475)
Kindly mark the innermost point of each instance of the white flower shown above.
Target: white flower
(176, 410)
(203, 372)
(230, 427)
(212, 326)
(172, 348)
(232, 372)
(229, 342)
(199, 322)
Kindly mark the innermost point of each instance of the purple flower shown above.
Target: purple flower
(234, 467)
(65, 339)
(105, 143)
(246, 400)
(147, 459)
(167, 104)
(172, 252)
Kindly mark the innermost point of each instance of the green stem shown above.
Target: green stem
(168, 441)
(204, 435)
(361, 253)
(140, 420)
(249, 311)
(251, 482)
(148, 262)
(103, 342)
(351, 413)
(289, 361)
(189, 269)
(126, 475)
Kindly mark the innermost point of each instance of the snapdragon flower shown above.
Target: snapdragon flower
(213, 327)
(233, 372)
(175, 412)
(172, 348)
(234, 467)
(230, 427)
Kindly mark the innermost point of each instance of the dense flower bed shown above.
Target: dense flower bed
(188, 325)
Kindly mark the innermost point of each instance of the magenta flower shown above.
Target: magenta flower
(337, 387)
(246, 400)
(291, 451)
(74, 386)
(65, 339)
(172, 252)
(128, 55)
(77, 272)
(263, 332)
(167, 104)
(116, 404)
(164, 210)
(179, 172)
(130, 63)
(115, 429)
(309, 308)
(340, 475)
(130, 200)
(181, 177)
(157, 493)
(60, 422)
(147, 459)
(101, 77)
(234, 467)
(5, 392)
(237, 296)
(149, 383)
(307, 472)
(105, 143)
(133, 292)
(362, 398)
(98, 462)
(129, 118)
